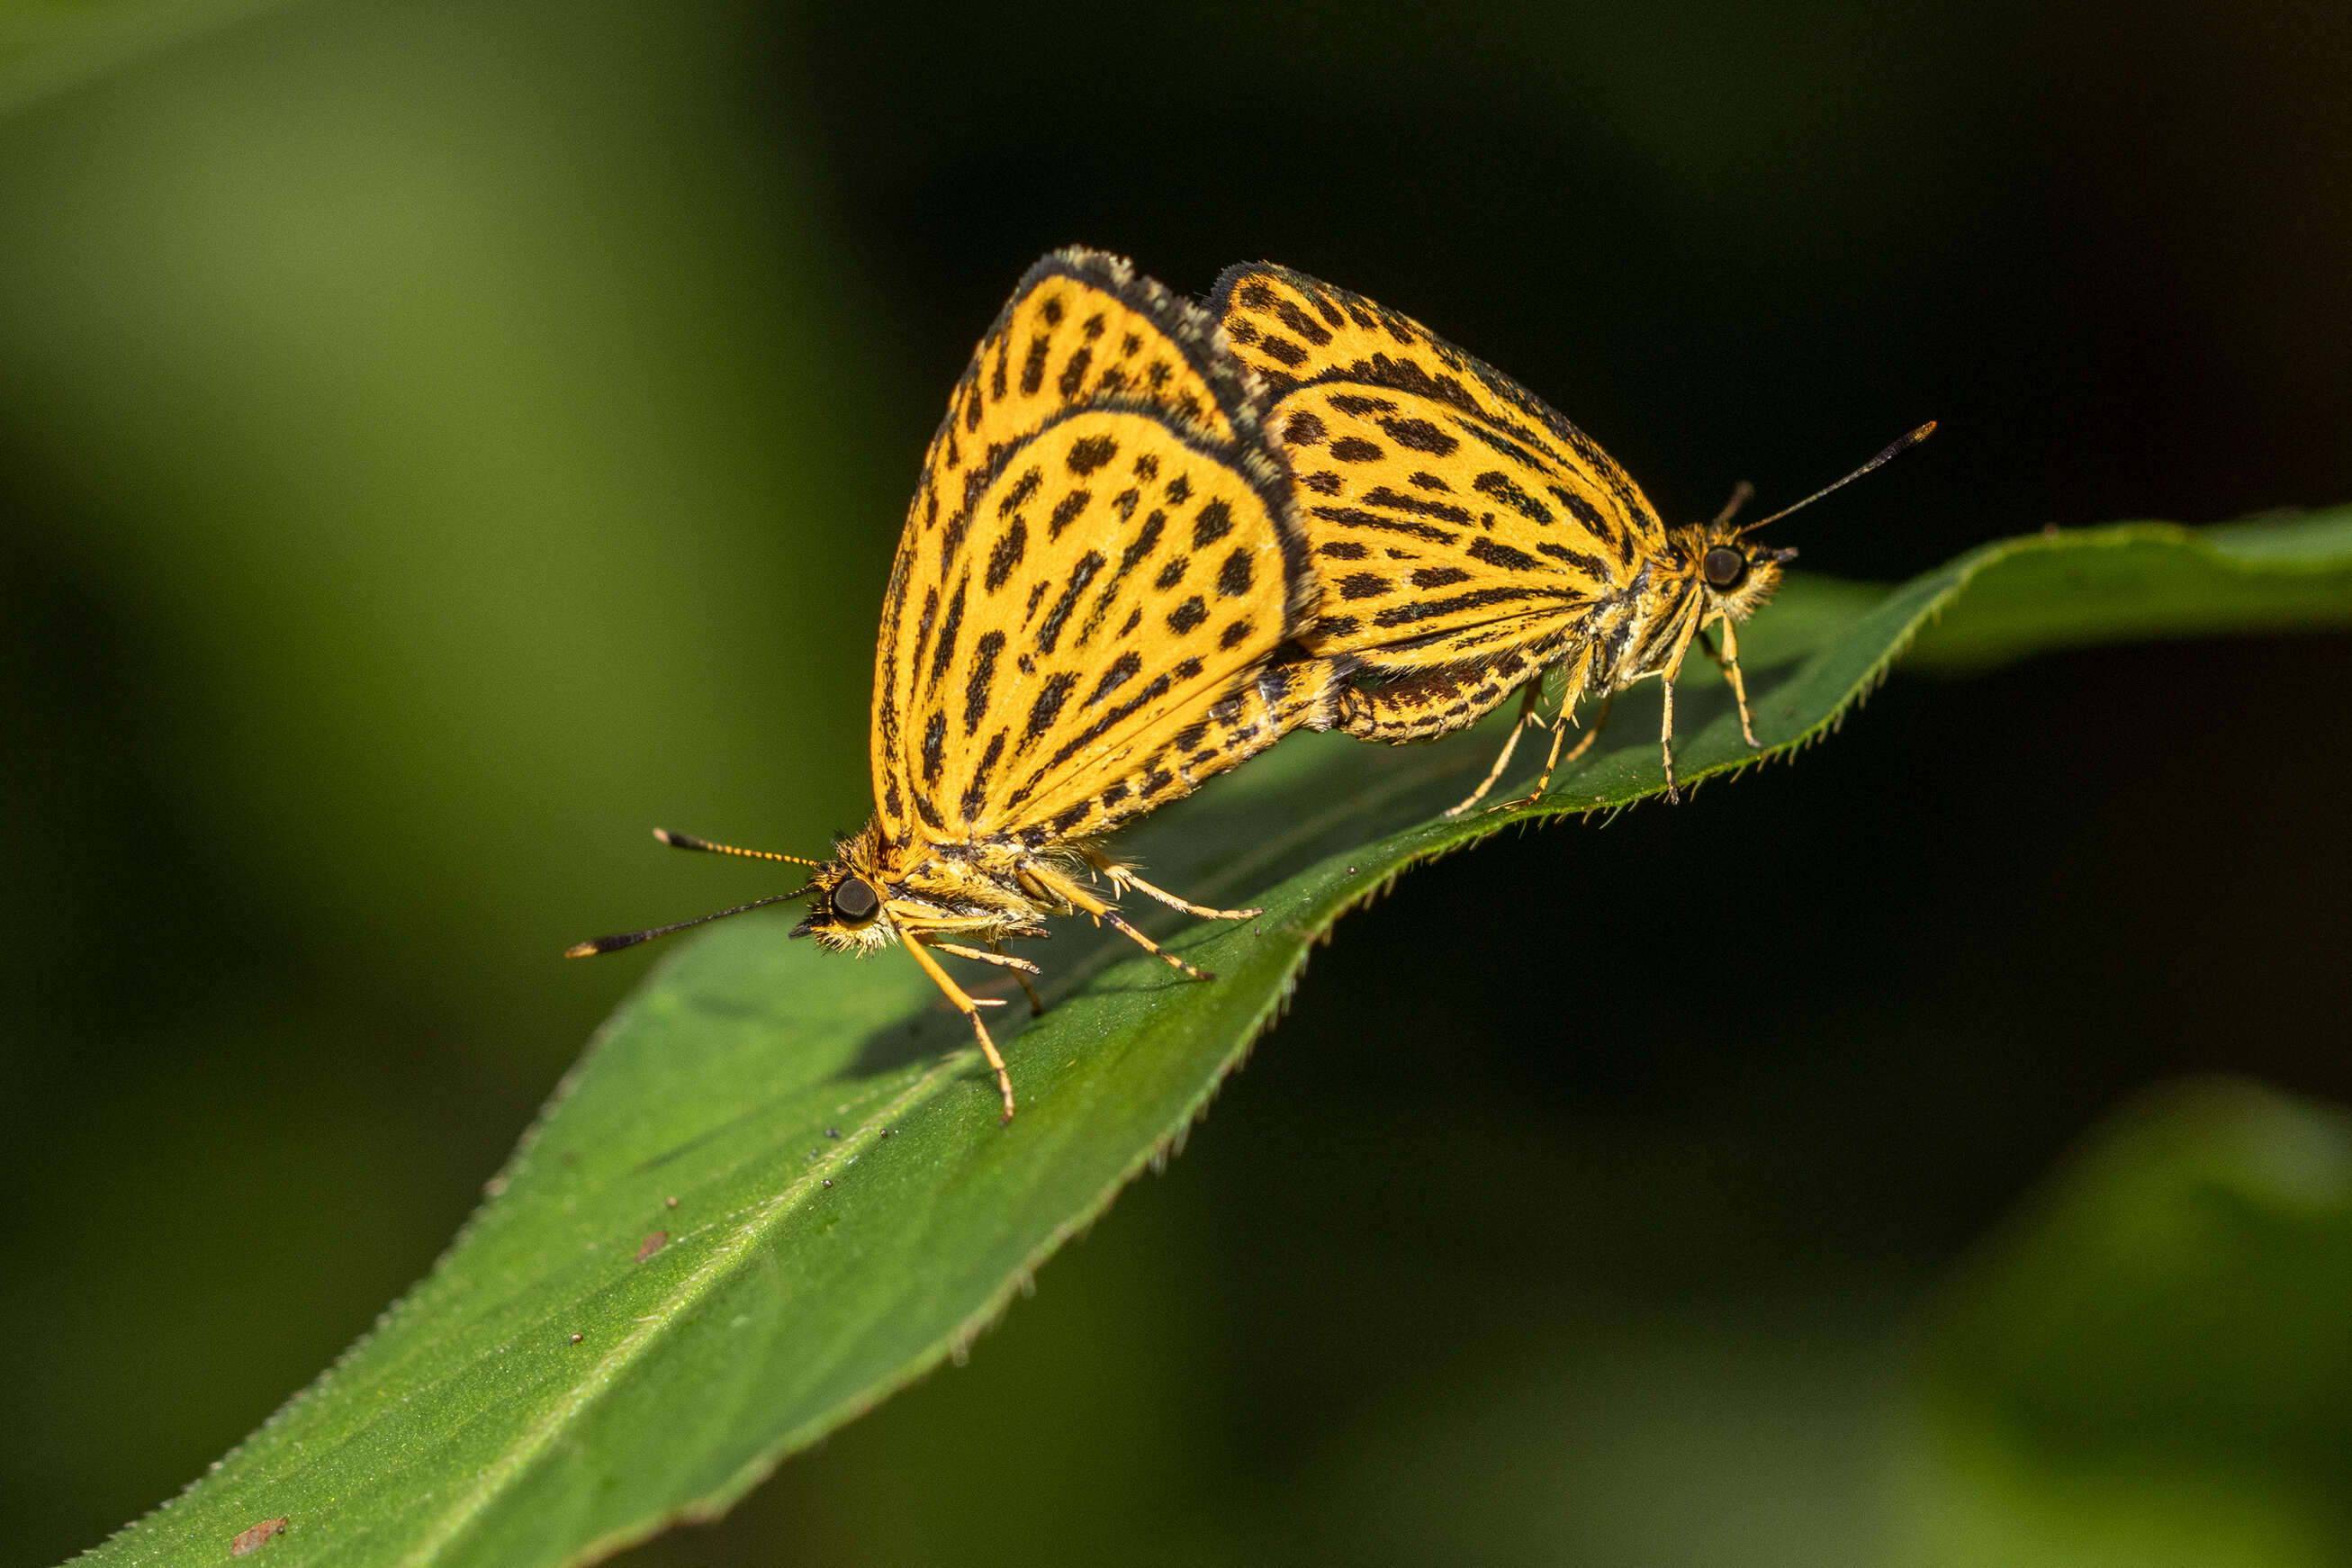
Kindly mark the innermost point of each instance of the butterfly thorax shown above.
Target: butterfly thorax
(1700, 575)
(974, 888)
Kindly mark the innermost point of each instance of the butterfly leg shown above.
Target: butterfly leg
(1023, 969)
(1728, 661)
(969, 1007)
(1667, 739)
(1530, 695)
(1019, 965)
(1554, 762)
(1124, 876)
(995, 954)
(1667, 676)
(1054, 886)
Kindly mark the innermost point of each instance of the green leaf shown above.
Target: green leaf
(591, 1361)
(2153, 1366)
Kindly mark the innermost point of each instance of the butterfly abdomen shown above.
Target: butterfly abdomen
(1426, 703)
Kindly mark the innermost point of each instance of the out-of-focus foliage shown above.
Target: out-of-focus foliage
(47, 46)
(438, 439)
(2153, 1363)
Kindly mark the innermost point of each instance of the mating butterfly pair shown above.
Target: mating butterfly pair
(1148, 540)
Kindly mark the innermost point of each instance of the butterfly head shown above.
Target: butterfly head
(1735, 574)
(846, 896)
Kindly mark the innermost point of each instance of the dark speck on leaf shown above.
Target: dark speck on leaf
(828, 1183)
(577, 1337)
(652, 1244)
(254, 1538)
(833, 1131)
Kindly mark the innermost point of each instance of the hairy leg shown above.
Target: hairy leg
(1052, 884)
(1530, 695)
(1729, 662)
(969, 1007)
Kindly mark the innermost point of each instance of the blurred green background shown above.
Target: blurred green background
(439, 441)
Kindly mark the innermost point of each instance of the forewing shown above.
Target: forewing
(1449, 510)
(1099, 561)
(1118, 587)
(1433, 543)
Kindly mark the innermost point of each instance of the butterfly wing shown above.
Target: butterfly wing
(1451, 512)
(1097, 569)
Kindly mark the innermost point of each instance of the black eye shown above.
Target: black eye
(856, 900)
(1724, 566)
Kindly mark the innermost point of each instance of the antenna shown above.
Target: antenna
(631, 938)
(1888, 455)
(1741, 494)
(688, 841)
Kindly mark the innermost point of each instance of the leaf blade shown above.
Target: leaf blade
(807, 1276)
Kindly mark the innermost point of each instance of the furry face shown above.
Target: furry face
(1736, 574)
(848, 903)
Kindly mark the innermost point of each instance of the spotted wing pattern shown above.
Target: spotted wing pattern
(1097, 569)
(1452, 514)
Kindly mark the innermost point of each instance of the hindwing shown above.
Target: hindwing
(1098, 565)
(1450, 512)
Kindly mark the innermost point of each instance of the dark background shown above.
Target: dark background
(438, 441)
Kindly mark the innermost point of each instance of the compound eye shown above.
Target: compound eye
(856, 900)
(1724, 566)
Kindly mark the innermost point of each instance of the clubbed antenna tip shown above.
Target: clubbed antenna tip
(631, 938)
(1888, 455)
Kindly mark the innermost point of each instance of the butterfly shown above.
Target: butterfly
(1471, 540)
(1097, 586)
